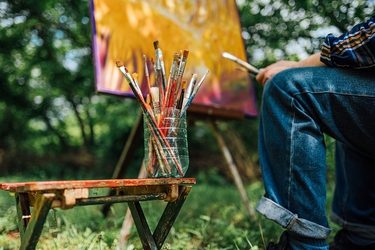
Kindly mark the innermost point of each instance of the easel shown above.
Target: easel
(209, 114)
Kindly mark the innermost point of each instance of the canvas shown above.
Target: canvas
(126, 29)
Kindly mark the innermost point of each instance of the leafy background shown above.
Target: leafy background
(54, 124)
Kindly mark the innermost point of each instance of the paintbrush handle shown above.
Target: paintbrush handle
(250, 68)
(195, 91)
(160, 152)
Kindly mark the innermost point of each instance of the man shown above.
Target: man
(330, 92)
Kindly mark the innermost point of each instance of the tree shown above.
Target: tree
(49, 111)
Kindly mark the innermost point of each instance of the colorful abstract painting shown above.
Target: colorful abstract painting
(126, 29)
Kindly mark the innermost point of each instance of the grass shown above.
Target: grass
(213, 217)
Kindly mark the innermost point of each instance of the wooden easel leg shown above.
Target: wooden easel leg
(233, 169)
(129, 149)
(126, 155)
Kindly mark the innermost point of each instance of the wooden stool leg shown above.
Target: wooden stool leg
(38, 217)
(143, 229)
(23, 212)
(169, 216)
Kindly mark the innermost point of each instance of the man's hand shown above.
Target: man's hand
(271, 70)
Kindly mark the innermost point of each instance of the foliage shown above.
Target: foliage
(49, 111)
(51, 117)
(290, 29)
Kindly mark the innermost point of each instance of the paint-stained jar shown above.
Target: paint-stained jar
(166, 146)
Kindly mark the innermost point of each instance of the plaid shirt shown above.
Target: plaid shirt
(354, 49)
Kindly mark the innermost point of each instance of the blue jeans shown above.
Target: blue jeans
(298, 106)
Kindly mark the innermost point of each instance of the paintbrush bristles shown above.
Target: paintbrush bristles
(155, 102)
(135, 76)
(185, 53)
(184, 84)
(156, 44)
(155, 93)
(119, 63)
(146, 68)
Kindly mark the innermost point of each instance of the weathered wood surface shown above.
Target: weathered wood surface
(19, 187)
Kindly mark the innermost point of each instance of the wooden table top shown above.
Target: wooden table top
(19, 187)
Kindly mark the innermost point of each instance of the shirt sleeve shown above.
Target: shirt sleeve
(353, 49)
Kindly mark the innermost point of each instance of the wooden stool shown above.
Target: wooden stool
(44, 195)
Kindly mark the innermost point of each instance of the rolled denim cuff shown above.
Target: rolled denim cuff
(366, 232)
(290, 221)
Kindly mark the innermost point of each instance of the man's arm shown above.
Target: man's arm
(269, 71)
(313, 60)
(353, 49)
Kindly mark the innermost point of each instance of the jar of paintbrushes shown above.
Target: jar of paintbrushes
(166, 147)
(164, 112)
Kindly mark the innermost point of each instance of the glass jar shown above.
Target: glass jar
(166, 147)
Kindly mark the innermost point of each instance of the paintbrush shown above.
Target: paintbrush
(195, 91)
(157, 152)
(156, 102)
(175, 112)
(160, 61)
(176, 89)
(181, 69)
(250, 68)
(182, 95)
(135, 88)
(172, 74)
(147, 74)
(189, 89)
(136, 84)
(160, 71)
